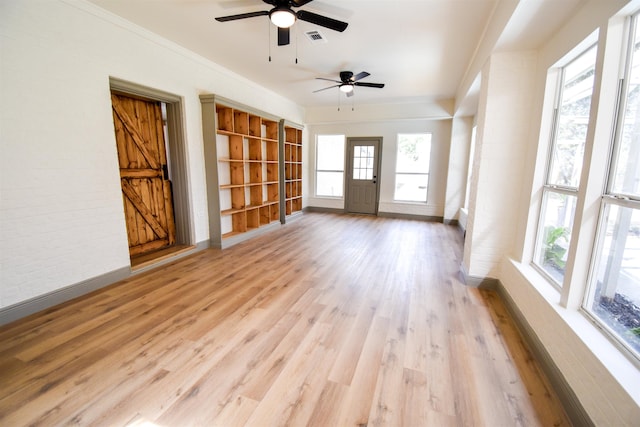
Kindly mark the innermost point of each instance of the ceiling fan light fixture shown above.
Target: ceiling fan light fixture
(346, 88)
(282, 17)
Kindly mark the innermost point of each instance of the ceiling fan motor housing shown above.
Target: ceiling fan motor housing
(346, 76)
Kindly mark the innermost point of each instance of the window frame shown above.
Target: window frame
(560, 189)
(612, 198)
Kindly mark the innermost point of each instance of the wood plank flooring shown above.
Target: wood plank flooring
(331, 320)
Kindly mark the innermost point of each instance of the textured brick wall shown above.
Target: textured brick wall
(504, 120)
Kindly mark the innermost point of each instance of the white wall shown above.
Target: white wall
(61, 212)
(388, 129)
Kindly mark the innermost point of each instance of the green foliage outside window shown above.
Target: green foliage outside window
(553, 252)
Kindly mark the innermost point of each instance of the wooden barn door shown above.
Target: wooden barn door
(146, 188)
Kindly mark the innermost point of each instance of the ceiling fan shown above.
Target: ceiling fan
(283, 17)
(348, 81)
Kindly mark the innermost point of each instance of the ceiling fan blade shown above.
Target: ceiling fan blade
(359, 76)
(378, 85)
(325, 88)
(329, 80)
(298, 3)
(241, 16)
(323, 21)
(283, 36)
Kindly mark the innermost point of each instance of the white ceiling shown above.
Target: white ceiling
(420, 49)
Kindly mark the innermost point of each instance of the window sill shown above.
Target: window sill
(328, 197)
(410, 202)
(612, 360)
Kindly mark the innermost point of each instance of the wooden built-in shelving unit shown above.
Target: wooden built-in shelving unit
(253, 166)
(292, 169)
(247, 147)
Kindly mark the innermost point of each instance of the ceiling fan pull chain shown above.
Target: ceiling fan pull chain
(269, 32)
(296, 30)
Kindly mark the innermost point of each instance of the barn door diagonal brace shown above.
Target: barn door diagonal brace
(135, 135)
(138, 203)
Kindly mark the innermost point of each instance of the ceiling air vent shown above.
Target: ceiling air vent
(315, 36)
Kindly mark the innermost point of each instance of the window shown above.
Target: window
(564, 165)
(472, 153)
(613, 298)
(412, 167)
(330, 165)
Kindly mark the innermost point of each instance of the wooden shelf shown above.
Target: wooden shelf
(226, 186)
(248, 136)
(230, 211)
(226, 159)
(230, 234)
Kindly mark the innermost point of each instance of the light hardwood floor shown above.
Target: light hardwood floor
(331, 320)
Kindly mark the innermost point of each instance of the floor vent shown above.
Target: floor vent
(315, 36)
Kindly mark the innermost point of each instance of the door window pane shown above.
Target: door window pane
(330, 165)
(363, 162)
(615, 298)
(413, 158)
(555, 234)
(572, 120)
